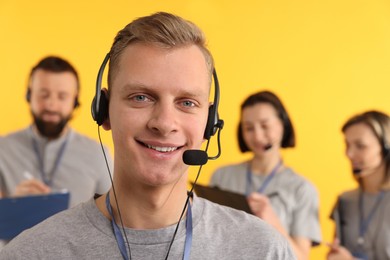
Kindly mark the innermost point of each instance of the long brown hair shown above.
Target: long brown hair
(379, 123)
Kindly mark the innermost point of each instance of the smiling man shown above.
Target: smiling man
(156, 107)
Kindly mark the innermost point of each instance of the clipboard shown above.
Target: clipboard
(223, 197)
(20, 213)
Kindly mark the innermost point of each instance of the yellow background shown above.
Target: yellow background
(326, 60)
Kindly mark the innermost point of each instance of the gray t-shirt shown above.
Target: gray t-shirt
(84, 233)
(377, 237)
(81, 170)
(294, 200)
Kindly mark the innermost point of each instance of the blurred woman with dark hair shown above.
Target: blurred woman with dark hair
(274, 191)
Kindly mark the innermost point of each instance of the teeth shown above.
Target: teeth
(162, 149)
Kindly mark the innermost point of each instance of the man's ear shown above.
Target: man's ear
(106, 124)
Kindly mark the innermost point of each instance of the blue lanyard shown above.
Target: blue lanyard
(188, 243)
(266, 181)
(121, 243)
(48, 180)
(363, 223)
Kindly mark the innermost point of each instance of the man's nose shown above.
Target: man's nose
(163, 119)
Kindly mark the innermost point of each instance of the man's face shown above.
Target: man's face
(52, 100)
(158, 109)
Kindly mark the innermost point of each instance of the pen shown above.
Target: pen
(272, 194)
(28, 176)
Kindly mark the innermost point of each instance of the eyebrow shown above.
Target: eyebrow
(135, 86)
(144, 88)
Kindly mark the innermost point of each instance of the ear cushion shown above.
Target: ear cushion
(76, 102)
(384, 143)
(386, 149)
(28, 95)
(211, 128)
(101, 114)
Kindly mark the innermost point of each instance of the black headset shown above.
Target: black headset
(382, 137)
(28, 98)
(385, 145)
(99, 107)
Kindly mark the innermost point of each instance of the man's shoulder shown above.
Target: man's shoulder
(237, 230)
(15, 141)
(234, 220)
(53, 230)
(15, 136)
(62, 220)
(80, 137)
(84, 142)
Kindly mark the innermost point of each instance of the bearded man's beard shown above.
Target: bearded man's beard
(50, 129)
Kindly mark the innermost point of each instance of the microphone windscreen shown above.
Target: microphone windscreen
(195, 157)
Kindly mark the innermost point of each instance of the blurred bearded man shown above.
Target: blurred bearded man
(49, 155)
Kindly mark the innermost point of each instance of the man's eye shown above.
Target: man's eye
(140, 98)
(188, 103)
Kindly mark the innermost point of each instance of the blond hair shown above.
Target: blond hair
(160, 29)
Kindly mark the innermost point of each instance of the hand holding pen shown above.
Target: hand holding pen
(261, 206)
(31, 186)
